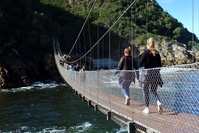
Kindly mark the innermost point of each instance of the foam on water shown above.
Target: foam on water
(36, 85)
(26, 129)
(80, 127)
(54, 130)
(122, 130)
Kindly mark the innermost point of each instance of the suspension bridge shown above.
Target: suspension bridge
(100, 89)
(179, 95)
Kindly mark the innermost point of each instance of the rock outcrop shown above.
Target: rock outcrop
(20, 69)
(174, 54)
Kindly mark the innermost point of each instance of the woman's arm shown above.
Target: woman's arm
(120, 66)
(141, 58)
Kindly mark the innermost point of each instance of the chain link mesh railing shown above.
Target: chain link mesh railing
(179, 95)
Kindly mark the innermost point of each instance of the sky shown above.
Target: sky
(185, 11)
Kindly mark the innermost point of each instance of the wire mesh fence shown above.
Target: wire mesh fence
(178, 93)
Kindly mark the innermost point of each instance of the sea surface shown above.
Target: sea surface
(50, 107)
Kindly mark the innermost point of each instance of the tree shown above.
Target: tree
(177, 33)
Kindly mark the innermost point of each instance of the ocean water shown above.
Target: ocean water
(50, 108)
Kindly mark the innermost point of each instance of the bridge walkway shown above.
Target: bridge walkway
(179, 94)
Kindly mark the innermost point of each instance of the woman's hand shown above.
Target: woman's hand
(141, 52)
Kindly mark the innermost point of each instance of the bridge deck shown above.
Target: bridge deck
(168, 122)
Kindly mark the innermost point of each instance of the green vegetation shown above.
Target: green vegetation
(32, 24)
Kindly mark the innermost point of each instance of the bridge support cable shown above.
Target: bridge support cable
(89, 35)
(104, 33)
(132, 47)
(85, 61)
(82, 28)
(193, 52)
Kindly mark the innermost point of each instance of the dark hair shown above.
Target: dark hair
(127, 50)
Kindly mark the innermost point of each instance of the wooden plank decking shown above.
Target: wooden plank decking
(168, 122)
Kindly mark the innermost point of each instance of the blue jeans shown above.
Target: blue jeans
(125, 86)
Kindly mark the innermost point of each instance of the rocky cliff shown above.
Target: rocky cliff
(174, 54)
(19, 69)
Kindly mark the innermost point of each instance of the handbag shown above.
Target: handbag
(151, 77)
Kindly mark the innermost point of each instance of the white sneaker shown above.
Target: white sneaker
(146, 111)
(127, 101)
(160, 108)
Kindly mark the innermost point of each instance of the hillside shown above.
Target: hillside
(145, 17)
(27, 28)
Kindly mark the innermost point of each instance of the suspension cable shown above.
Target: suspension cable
(104, 33)
(82, 28)
(193, 60)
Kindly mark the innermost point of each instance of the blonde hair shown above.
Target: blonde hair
(127, 50)
(151, 46)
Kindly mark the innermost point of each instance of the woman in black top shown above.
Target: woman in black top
(126, 65)
(150, 78)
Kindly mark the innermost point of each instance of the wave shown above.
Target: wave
(38, 85)
(80, 127)
(31, 130)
